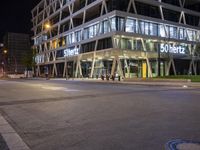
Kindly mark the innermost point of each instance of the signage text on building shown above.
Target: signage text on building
(71, 52)
(170, 48)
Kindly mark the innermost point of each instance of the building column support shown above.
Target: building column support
(38, 73)
(65, 71)
(54, 72)
(78, 67)
(93, 64)
(192, 66)
(119, 65)
(113, 67)
(171, 63)
(127, 67)
(192, 62)
(149, 67)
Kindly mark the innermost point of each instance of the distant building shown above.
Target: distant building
(1, 60)
(17, 45)
(131, 38)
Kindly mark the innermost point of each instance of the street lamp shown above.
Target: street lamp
(5, 51)
(47, 26)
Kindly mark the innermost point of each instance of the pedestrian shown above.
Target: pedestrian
(47, 74)
(113, 77)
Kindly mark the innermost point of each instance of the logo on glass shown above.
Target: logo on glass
(170, 48)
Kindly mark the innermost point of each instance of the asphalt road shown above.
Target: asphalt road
(73, 115)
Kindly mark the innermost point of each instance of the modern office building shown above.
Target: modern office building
(131, 38)
(17, 46)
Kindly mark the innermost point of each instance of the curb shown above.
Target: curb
(183, 84)
(12, 139)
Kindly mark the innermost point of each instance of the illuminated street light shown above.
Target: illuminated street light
(5, 51)
(47, 26)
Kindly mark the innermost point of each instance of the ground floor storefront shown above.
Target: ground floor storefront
(123, 63)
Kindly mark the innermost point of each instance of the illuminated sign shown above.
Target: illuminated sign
(71, 52)
(170, 48)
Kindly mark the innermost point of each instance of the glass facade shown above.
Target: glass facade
(130, 25)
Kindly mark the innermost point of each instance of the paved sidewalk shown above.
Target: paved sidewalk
(176, 83)
(12, 140)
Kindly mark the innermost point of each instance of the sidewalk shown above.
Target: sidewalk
(9, 137)
(176, 83)
(150, 82)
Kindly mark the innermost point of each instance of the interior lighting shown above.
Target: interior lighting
(47, 26)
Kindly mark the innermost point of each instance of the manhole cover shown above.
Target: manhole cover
(183, 145)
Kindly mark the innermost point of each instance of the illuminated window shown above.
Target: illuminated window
(162, 31)
(131, 25)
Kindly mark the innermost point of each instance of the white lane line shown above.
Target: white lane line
(12, 139)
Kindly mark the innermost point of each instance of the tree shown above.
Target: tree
(197, 51)
(29, 60)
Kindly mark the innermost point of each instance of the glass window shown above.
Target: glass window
(146, 30)
(194, 35)
(67, 39)
(129, 44)
(113, 24)
(153, 29)
(70, 38)
(104, 27)
(120, 24)
(161, 31)
(85, 34)
(78, 36)
(91, 32)
(101, 28)
(139, 45)
(190, 35)
(142, 28)
(182, 34)
(123, 43)
(173, 32)
(95, 29)
(131, 25)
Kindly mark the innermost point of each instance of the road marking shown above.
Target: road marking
(188, 146)
(12, 139)
(179, 144)
(59, 89)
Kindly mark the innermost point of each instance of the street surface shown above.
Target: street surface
(74, 115)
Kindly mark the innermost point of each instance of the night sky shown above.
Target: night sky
(15, 16)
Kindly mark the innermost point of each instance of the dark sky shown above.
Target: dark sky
(15, 16)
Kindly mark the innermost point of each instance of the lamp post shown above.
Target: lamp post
(47, 27)
(4, 61)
